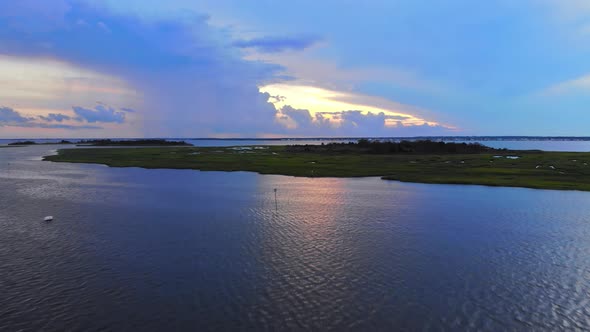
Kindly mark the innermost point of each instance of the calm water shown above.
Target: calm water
(136, 249)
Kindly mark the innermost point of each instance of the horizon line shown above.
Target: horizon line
(307, 138)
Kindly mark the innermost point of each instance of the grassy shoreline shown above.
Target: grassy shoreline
(532, 169)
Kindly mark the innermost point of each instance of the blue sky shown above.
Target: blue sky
(304, 68)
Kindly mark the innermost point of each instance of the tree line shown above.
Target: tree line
(392, 147)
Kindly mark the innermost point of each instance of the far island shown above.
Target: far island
(411, 161)
(107, 142)
(25, 143)
(131, 142)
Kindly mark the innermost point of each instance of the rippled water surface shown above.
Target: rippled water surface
(136, 249)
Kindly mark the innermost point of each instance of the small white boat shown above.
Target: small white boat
(48, 218)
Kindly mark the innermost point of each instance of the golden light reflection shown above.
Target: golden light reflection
(323, 234)
(317, 203)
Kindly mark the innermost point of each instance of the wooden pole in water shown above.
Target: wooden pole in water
(276, 204)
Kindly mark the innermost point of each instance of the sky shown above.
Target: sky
(221, 68)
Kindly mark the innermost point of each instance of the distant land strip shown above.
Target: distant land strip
(443, 163)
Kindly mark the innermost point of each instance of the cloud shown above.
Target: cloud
(570, 9)
(572, 16)
(191, 78)
(11, 118)
(350, 123)
(300, 117)
(276, 99)
(103, 27)
(577, 85)
(278, 44)
(63, 126)
(55, 117)
(8, 116)
(332, 102)
(100, 113)
(355, 119)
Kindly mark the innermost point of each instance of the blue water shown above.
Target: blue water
(151, 250)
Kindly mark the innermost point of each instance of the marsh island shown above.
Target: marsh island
(409, 161)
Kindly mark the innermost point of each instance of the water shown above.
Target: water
(545, 145)
(136, 249)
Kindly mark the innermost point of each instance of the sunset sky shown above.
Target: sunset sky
(219, 68)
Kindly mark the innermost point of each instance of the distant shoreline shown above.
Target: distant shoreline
(105, 142)
(434, 138)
